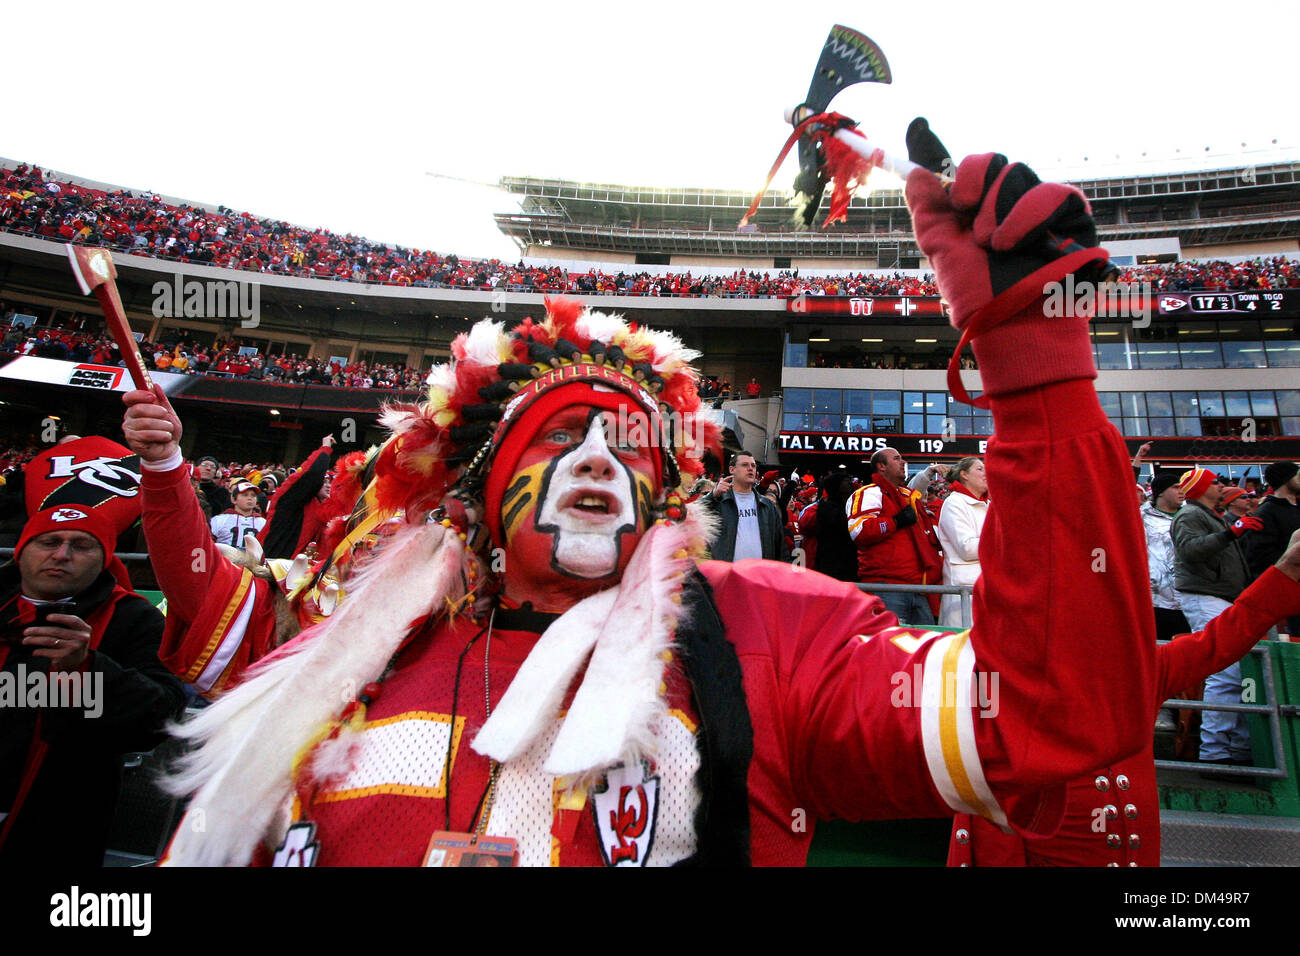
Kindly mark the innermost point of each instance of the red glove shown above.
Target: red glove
(986, 242)
(1248, 523)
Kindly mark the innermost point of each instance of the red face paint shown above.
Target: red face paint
(575, 507)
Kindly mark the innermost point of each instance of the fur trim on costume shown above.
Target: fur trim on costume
(287, 625)
(243, 771)
(627, 629)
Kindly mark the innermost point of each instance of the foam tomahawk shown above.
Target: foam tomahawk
(94, 269)
(832, 147)
(848, 58)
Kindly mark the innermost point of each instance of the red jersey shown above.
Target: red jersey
(852, 717)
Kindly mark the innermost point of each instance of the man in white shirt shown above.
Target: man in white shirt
(751, 525)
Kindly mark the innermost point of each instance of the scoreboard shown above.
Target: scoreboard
(1125, 304)
(794, 444)
(826, 443)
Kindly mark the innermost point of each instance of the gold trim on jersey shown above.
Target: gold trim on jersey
(220, 629)
(395, 788)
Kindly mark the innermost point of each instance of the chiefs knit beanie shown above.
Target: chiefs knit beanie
(1196, 482)
(1231, 494)
(70, 518)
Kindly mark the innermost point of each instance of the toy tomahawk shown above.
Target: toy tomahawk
(833, 150)
(94, 269)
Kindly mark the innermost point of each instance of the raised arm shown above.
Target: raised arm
(219, 616)
(1063, 609)
(286, 512)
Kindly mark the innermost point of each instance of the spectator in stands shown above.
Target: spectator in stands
(1236, 503)
(753, 388)
(750, 524)
(1209, 574)
(266, 487)
(232, 526)
(298, 512)
(895, 538)
(218, 497)
(837, 556)
(1279, 517)
(961, 522)
(62, 613)
(1157, 520)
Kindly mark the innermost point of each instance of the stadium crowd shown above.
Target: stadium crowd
(225, 359)
(33, 203)
(1277, 272)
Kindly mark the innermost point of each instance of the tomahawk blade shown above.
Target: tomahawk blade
(848, 57)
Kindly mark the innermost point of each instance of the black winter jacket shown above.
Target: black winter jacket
(771, 528)
(66, 815)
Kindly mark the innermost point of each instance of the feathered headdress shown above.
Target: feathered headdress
(447, 441)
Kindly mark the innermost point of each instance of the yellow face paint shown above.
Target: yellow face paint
(522, 497)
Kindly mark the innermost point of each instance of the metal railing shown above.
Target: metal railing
(1273, 711)
(965, 590)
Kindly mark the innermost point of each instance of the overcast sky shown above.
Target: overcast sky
(333, 114)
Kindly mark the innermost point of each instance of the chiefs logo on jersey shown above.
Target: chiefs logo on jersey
(626, 805)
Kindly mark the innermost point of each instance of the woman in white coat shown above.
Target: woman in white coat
(961, 521)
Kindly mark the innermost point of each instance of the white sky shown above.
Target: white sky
(331, 114)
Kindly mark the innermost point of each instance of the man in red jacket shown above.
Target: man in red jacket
(895, 536)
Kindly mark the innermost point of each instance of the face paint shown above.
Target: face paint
(521, 497)
(575, 508)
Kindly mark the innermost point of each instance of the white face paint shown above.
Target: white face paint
(588, 502)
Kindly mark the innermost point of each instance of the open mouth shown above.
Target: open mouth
(597, 504)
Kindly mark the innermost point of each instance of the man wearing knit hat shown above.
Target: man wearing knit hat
(1236, 503)
(1279, 517)
(67, 622)
(1209, 574)
(1157, 519)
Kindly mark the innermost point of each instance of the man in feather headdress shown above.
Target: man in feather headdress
(540, 664)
